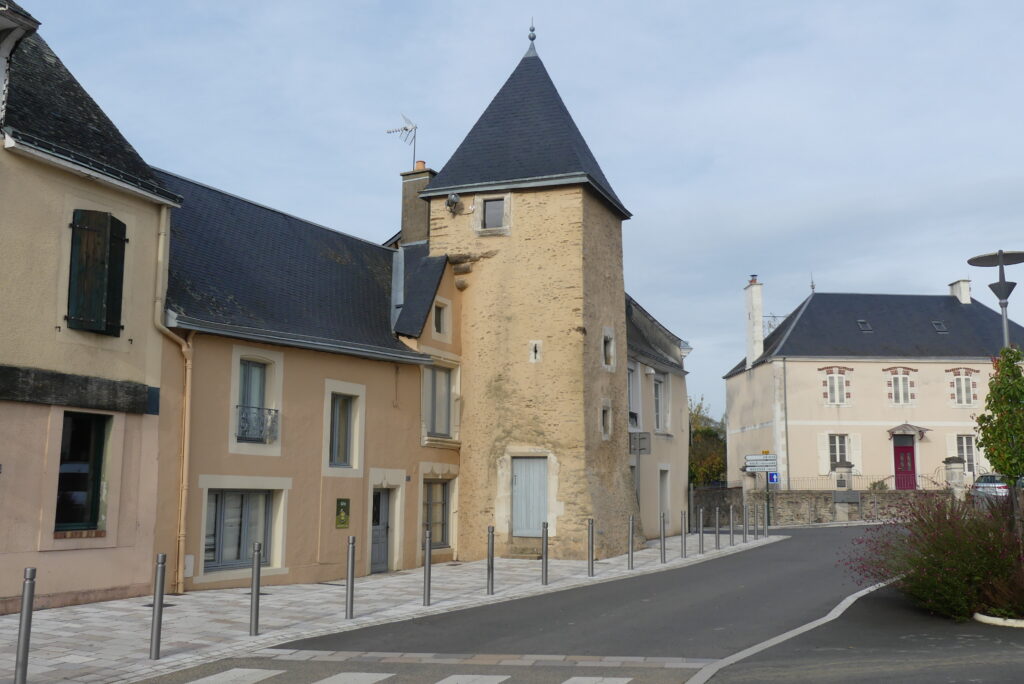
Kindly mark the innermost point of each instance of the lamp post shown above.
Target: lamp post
(1004, 287)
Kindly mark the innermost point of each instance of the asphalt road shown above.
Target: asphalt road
(883, 638)
(707, 610)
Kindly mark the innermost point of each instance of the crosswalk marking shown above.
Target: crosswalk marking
(473, 679)
(355, 678)
(239, 675)
(598, 680)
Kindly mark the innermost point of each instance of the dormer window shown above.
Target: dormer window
(864, 326)
(940, 326)
(494, 213)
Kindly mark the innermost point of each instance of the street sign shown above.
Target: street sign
(760, 468)
(773, 478)
(752, 460)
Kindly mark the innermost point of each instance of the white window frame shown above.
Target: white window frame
(272, 398)
(478, 215)
(838, 449)
(357, 433)
(445, 334)
(835, 387)
(662, 408)
(900, 388)
(963, 390)
(966, 449)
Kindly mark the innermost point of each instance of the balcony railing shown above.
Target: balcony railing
(257, 424)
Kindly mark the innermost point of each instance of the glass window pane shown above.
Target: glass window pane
(256, 506)
(231, 543)
(341, 433)
(494, 213)
(210, 542)
(441, 399)
(253, 384)
(81, 467)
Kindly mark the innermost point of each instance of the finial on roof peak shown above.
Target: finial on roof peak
(531, 51)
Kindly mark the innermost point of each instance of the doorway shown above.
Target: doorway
(904, 464)
(381, 530)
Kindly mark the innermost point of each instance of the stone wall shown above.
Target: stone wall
(803, 507)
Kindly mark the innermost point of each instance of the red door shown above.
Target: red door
(903, 464)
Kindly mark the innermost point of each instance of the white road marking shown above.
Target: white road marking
(239, 675)
(473, 679)
(355, 678)
(598, 680)
(711, 670)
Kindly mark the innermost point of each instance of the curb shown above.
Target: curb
(998, 622)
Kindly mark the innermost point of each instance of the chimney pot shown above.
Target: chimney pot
(961, 289)
(421, 165)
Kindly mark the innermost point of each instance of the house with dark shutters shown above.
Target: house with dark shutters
(83, 224)
(889, 383)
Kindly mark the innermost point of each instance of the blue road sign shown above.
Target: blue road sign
(773, 478)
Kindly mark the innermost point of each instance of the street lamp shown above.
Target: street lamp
(1004, 287)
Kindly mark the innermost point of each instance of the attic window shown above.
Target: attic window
(940, 326)
(494, 213)
(864, 325)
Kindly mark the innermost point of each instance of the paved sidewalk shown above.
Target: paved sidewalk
(109, 641)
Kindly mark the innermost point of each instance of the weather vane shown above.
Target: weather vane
(408, 134)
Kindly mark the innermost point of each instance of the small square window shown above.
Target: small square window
(494, 213)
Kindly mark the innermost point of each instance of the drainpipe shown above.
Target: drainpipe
(185, 345)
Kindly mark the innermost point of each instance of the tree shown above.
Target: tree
(707, 445)
(1001, 427)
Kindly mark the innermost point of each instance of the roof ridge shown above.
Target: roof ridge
(269, 208)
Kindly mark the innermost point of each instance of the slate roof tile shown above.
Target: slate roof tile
(422, 276)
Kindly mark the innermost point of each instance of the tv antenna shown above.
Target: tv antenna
(408, 134)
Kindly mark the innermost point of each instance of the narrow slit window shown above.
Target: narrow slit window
(439, 322)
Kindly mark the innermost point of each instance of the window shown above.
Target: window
(440, 400)
(340, 454)
(836, 450)
(901, 385)
(439, 319)
(606, 422)
(962, 390)
(256, 423)
(633, 396)
(80, 478)
(660, 403)
(835, 385)
(940, 326)
(96, 278)
(608, 349)
(864, 326)
(234, 520)
(965, 450)
(494, 213)
(435, 511)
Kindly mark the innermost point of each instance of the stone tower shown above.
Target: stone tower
(524, 212)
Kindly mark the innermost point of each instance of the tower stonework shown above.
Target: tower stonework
(543, 380)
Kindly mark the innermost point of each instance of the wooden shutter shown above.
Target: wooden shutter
(96, 278)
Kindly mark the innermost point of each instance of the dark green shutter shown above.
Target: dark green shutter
(97, 272)
(115, 277)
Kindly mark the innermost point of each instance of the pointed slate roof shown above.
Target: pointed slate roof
(525, 138)
(901, 327)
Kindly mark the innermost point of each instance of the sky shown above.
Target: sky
(872, 146)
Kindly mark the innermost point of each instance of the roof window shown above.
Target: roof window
(940, 326)
(864, 325)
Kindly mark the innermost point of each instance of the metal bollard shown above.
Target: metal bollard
(158, 606)
(426, 567)
(732, 526)
(28, 591)
(682, 534)
(490, 559)
(718, 530)
(746, 523)
(808, 512)
(700, 530)
(544, 553)
(662, 523)
(254, 599)
(629, 551)
(766, 512)
(590, 547)
(350, 580)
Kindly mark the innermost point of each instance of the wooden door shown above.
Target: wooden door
(904, 464)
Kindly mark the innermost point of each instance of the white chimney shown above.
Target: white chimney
(961, 289)
(755, 321)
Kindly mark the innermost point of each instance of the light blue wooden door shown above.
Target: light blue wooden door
(529, 496)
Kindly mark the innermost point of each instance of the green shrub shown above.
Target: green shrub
(878, 486)
(945, 555)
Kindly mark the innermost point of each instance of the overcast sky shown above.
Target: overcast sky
(877, 145)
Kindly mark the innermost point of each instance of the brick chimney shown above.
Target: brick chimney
(961, 289)
(415, 211)
(755, 321)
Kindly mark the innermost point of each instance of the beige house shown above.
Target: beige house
(83, 224)
(888, 383)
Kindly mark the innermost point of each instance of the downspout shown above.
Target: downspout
(785, 411)
(184, 435)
